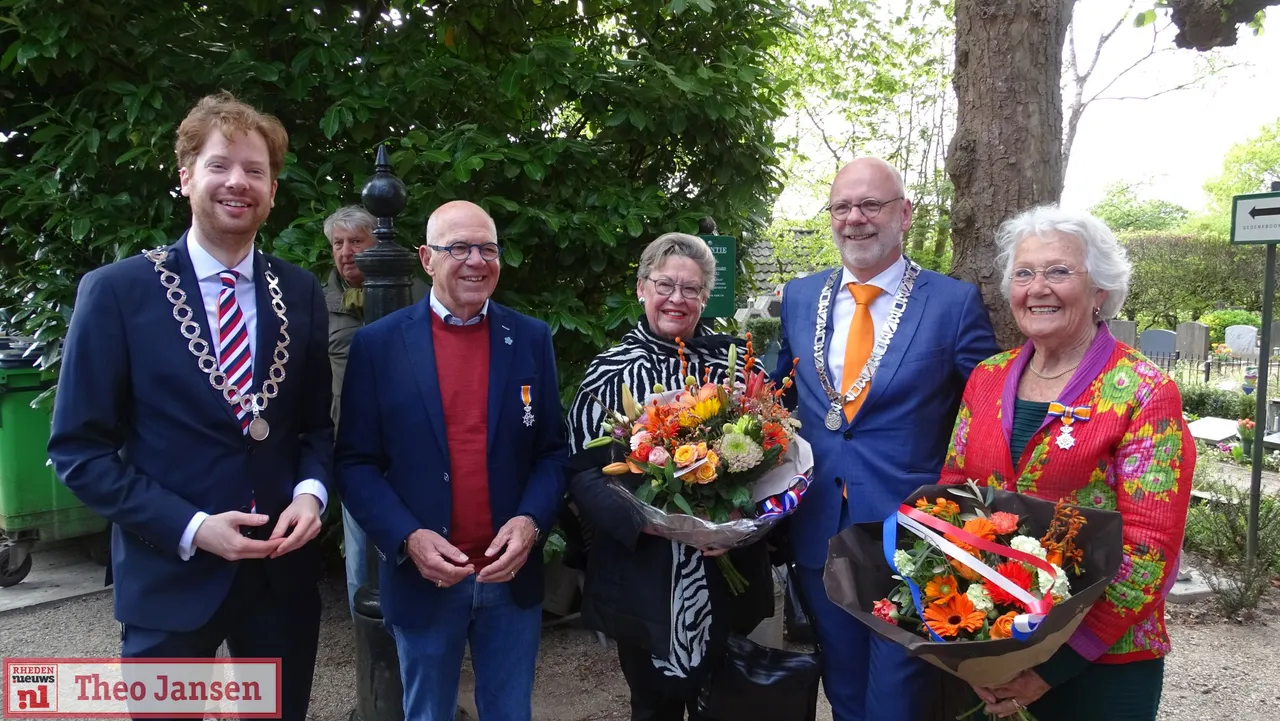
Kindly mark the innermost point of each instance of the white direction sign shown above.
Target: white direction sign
(1255, 218)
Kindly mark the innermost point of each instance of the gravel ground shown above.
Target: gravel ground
(1220, 668)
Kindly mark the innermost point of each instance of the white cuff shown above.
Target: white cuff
(315, 488)
(185, 547)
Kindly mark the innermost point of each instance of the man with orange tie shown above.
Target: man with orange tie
(885, 348)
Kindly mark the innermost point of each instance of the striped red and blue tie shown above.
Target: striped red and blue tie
(234, 357)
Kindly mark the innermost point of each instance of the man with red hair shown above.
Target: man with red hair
(193, 413)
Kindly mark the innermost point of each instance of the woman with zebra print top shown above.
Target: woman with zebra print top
(668, 609)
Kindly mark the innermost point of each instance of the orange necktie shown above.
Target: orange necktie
(862, 337)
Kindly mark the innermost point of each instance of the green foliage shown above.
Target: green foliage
(1178, 277)
(764, 331)
(586, 132)
(1205, 400)
(1249, 167)
(1218, 530)
(1219, 320)
(1123, 211)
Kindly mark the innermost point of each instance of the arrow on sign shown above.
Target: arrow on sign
(1256, 211)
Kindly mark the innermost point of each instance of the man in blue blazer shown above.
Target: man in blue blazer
(193, 413)
(451, 457)
(884, 349)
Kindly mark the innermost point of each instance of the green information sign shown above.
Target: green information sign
(722, 302)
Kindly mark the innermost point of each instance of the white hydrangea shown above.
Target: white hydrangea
(1059, 584)
(1029, 545)
(902, 560)
(977, 593)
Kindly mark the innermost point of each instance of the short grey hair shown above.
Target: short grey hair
(433, 222)
(351, 217)
(1104, 258)
(678, 245)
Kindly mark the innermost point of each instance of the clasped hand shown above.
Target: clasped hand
(443, 564)
(1008, 699)
(299, 523)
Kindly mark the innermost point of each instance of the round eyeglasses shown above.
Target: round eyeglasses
(1053, 274)
(869, 208)
(462, 251)
(666, 288)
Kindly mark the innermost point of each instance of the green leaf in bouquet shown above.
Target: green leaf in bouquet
(646, 493)
(741, 497)
(680, 501)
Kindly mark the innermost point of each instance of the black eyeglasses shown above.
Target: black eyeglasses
(666, 288)
(870, 207)
(462, 251)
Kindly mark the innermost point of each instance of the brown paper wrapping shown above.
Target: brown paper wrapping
(857, 575)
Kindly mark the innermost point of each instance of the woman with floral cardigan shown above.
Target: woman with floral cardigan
(1075, 414)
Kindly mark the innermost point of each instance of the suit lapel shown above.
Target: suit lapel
(907, 325)
(422, 355)
(501, 347)
(180, 261)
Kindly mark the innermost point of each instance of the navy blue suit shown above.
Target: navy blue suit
(392, 456)
(143, 439)
(895, 444)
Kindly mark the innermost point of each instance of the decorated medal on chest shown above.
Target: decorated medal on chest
(1069, 415)
(833, 418)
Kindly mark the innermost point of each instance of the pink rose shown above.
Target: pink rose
(659, 456)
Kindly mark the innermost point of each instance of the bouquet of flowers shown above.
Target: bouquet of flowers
(721, 461)
(986, 583)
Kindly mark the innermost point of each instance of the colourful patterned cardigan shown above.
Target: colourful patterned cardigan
(1134, 455)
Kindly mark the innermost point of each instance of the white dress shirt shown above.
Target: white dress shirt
(206, 269)
(449, 317)
(842, 307)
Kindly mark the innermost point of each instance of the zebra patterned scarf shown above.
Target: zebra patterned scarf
(641, 360)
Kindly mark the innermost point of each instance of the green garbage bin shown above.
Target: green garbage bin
(35, 507)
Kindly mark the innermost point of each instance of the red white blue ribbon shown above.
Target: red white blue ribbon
(920, 524)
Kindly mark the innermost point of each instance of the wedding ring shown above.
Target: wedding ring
(440, 584)
(513, 574)
(1018, 705)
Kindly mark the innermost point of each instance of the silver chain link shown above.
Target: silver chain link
(881, 345)
(200, 348)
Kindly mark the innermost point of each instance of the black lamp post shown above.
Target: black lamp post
(387, 270)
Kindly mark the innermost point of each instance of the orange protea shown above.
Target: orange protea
(941, 589)
(947, 621)
(1003, 626)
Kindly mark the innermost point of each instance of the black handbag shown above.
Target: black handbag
(761, 683)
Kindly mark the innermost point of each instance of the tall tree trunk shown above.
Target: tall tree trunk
(1006, 154)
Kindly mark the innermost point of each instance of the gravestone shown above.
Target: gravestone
(1214, 430)
(1159, 342)
(1125, 331)
(1275, 335)
(1193, 340)
(1243, 341)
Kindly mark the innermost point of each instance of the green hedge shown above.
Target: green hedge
(1219, 320)
(1202, 400)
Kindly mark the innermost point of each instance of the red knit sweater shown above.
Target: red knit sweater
(462, 366)
(1134, 455)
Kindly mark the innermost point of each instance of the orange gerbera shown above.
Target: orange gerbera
(982, 528)
(1003, 626)
(949, 620)
(941, 589)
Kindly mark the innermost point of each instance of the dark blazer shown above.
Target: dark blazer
(898, 439)
(144, 440)
(392, 454)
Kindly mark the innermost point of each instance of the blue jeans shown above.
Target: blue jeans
(354, 550)
(504, 652)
